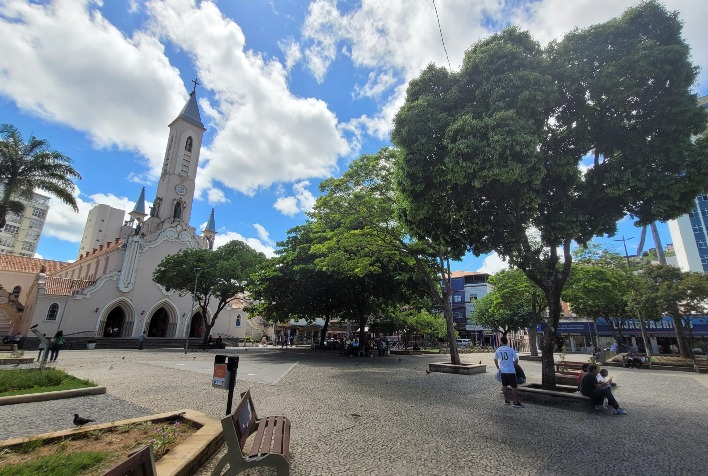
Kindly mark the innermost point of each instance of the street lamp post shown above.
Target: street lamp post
(194, 295)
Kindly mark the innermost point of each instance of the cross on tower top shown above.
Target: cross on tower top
(196, 83)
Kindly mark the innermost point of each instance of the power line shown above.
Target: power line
(441, 36)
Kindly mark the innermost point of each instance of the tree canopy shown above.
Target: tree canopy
(527, 149)
(26, 167)
(221, 275)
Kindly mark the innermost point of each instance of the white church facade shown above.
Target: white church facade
(108, 290)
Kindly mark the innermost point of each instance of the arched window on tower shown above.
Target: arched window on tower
(178, 211)
(52, 312)
(188, 145)
(238, 321)
(16, 292)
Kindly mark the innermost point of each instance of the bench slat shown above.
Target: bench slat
(140, 463)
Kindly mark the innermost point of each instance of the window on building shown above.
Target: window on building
(457, 298)
(52, 312)
(11, 229)
(34, 223)
(238, 320)
(39, 213)
(27, 246)
(188, 145)
(473, 297)
(16, 291)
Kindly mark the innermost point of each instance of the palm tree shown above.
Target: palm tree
(29, 166)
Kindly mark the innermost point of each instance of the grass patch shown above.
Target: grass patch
(91, 452)
(25, 381)
(64, 464)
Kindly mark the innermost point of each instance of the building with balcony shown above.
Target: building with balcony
(21, 234)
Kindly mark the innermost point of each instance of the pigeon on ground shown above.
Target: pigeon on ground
(123, 358)
(427, 371)
(34, 326)
(175, 417)
(80, 421)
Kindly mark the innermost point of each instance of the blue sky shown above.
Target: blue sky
(291, 92)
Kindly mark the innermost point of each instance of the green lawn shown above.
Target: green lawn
(71, 464)
(25, 381)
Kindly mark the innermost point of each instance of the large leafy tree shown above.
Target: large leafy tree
(502, 316)
(492, 153)
(291, 286)
(221, 275)
(29, 166)
(667, 290)
(597, 291)
(361, 209)
(512, 289)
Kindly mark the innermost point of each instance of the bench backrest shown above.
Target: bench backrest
(139, 463)
(244, 418)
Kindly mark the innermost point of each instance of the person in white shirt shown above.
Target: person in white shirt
(506, 359)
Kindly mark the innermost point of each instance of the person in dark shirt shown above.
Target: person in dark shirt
(593, 390)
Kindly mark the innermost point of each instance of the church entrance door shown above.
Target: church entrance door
(114, 323)
(197, 325)
(159, 323)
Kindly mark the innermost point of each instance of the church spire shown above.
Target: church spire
(210, 230)
(138, 212)
(190, 111)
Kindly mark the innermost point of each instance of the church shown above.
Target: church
(108, 291)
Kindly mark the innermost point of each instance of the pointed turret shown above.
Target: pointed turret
(210, 230)
(190, 111)
(138, 212)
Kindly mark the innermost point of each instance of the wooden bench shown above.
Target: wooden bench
(139, 463)
(700, 365)
(268, 440)
(567, 373)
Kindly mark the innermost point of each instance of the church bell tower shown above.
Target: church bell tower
(175, 190)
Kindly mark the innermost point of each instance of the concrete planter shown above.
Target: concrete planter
(462, 369)
(564, 396)
(90, 345)
(184, 459)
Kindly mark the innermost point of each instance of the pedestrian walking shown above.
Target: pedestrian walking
(55, 345)
(141, 340)
(506, 360)
(42, 347)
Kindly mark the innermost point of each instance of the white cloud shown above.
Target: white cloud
(38, 256)
(401, 37)
(302, 201)
(264, 134)
(63, 61)
(216, 195)
(263, 234)
(376, 85)
(224, 237)
(292, 52)
(493, 264)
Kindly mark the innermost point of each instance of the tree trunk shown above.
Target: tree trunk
(684, 350)
(533, 336)
(642, 238)
(548, 372)
(657, 243)
(323, 332)
(447, 309)
(362, 331)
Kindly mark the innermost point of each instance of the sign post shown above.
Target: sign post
(225, 369)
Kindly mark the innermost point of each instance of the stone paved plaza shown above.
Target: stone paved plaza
(388, 416)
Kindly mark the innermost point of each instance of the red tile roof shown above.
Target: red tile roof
(23, 264)
(65, 286)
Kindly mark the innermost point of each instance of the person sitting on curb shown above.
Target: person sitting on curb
(592, 389)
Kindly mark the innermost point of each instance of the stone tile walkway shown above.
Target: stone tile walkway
(388, 416)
